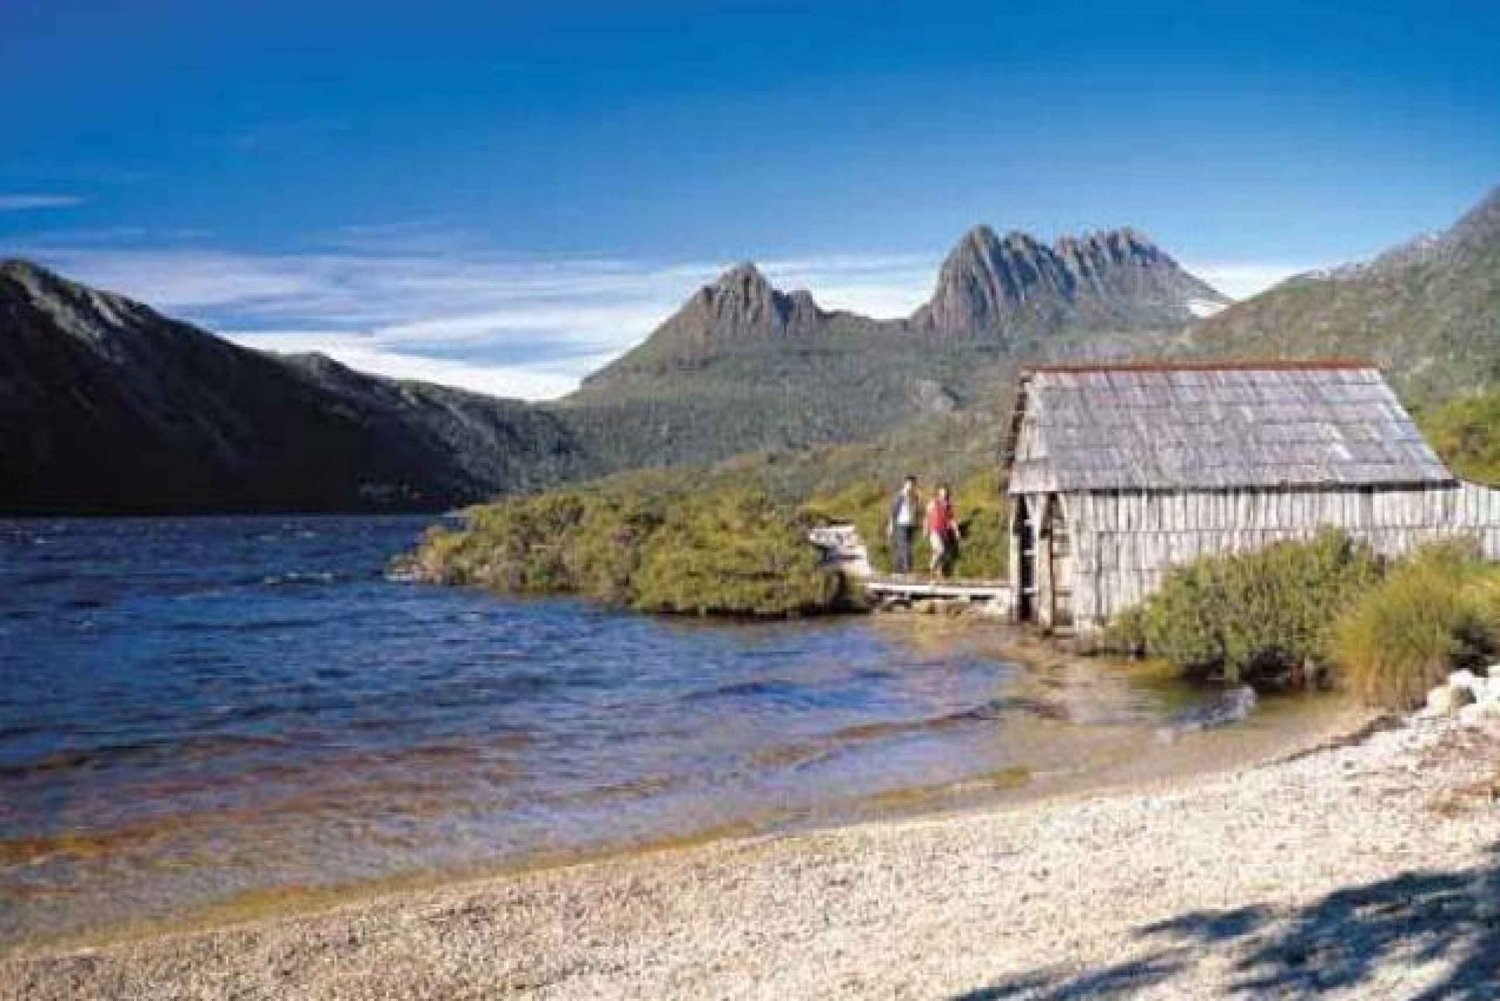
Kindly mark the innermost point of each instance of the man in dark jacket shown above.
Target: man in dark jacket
(906, 516)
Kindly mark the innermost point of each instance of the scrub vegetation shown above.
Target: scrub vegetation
(1438, 611)
(1390, 630)
(1466, 432)
(728, 539)
(727, 552)
(1251, 616)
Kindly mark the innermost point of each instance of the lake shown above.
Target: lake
(200, 711)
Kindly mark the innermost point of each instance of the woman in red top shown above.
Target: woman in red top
(942, 532)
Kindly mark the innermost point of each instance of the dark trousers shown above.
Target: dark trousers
(901, 542)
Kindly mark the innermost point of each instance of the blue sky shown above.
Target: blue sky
(503, 196)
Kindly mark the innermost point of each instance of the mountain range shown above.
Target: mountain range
(744, 366)
(107, 406)
(1007, 292)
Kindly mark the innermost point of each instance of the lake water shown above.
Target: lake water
(195, 711)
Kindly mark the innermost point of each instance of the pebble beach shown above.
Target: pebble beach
(1363, 867)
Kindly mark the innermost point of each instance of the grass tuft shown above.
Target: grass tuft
(1435, 612)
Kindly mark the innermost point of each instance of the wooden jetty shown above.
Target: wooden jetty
(844, 551)
(909, 588)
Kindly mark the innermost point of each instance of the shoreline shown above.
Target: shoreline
(1111, 759)
(1044, 890)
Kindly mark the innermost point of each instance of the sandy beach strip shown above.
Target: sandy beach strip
(1359, 871)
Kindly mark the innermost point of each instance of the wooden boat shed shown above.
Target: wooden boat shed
(1117, 473)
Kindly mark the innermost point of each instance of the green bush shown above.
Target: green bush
(1435, 612)
(727, 551)
(731, 554)
(1466, 433)
(984, 517)
(1253, 616)
(1126, 632)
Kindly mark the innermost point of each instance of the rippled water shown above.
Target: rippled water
(196, 708)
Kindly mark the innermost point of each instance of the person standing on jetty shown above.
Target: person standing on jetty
(942, 532)
(902, 528)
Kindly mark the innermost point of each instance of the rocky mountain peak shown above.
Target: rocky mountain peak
(1017, 286)
(87, 313)
(739, 307)
(744, 278)
(980, 240)
(30, 276)
(743, 305)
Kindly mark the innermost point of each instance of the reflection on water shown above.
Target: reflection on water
(196, 708)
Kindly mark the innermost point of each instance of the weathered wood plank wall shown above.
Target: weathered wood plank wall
(1126, 541)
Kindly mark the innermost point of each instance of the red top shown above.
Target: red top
(940, 516)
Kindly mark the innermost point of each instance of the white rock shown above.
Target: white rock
(1464, 679)
(1445, 700)
(1472, 714)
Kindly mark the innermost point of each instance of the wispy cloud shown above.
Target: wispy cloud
(1240, 280)
(423, 301)
(528, 381)
(416, 301)
(21, 202)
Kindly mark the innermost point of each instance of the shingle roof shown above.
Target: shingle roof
(1197, 426)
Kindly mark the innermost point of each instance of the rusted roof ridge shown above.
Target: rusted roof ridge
(1226, 365)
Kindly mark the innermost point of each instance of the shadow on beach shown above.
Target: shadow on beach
(1337, 943)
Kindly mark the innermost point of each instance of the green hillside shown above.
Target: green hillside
(1428, 313)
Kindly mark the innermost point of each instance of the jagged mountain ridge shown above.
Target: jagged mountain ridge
(1013, 292)
(1016, 287)
(744, 366)
(1426, 311)
(108, 407)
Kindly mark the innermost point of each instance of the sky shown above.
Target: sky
(505, 196)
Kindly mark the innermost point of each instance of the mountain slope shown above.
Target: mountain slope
(1427, 312)
(106, 406)
(743, 366)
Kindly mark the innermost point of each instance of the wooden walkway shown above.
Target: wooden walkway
(916, 587)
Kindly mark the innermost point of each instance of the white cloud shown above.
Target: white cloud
(1242, 279)
(415, 300)
(879, 286)
(188, 279)
(511, 325)
(495, 380)
(20, 202)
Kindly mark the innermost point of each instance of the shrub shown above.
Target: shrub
(1466, 433)
(1434, 612)
(1254, 616)
(730, 554)
(726, 551)
(984, 516)
(1126, 632)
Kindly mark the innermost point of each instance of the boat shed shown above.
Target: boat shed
(1117, 473)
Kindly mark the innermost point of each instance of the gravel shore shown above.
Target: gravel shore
(1370, 870)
